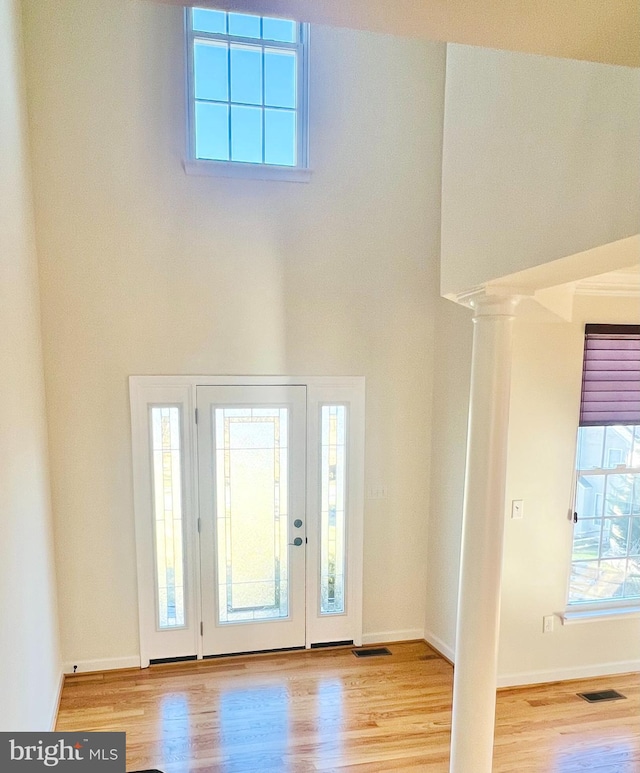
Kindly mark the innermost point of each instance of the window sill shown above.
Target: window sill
(246, 171)
(571, 616)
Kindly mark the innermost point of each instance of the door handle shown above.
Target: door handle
(297, 542)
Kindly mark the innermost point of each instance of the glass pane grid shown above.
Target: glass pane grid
(332, 509)
(240, 25)
(168, 523)
(251, 450)
(606, 538)
(245, 88)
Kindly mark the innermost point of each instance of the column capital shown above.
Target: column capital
(491, 301)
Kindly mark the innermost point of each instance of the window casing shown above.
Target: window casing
(247, 95)
(605, 564)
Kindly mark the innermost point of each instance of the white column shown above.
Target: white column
(474, 683)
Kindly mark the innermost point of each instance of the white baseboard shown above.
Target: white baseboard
(386, 636)
(441, 646)
(566, 674)
(56, 704)
(107, 664)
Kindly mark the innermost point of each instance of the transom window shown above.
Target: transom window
(605, 566)
(247, 77)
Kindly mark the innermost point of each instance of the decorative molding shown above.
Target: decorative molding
(617, 284)
(568, 674)
(473, 297)
(409, 634)
(106, 664)
(56, 703)
(440, 646)
(622, 283)
(492, 300)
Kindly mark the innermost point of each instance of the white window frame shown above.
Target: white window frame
(592, 611)
(239, 169)
(181, 390)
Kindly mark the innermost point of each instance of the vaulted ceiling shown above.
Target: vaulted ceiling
(596, 30)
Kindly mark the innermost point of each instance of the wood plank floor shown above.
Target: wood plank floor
(326, 710)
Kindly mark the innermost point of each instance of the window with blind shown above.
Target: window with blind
(605, 567)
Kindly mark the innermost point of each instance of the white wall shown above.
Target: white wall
(545, 400)
(545, 403)
(540, 161)
(147, 270)
(452, 374)
(29, 656)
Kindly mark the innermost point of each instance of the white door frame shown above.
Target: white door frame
(181, 390)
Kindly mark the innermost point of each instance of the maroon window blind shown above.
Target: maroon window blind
(611, 375)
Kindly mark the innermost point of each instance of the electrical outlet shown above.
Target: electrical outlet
(547, 624)
(517, 509)
(377, 492)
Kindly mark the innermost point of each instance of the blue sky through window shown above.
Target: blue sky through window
(246, 75)
(280, 79)
(280, 137)
(246, 134)
(245, 93)
(211, 62)
(212, 131)
(244, 26)
(209, 21)
(279, 29)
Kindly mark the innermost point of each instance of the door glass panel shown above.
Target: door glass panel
(332, 528)
(167, 509)
(251, 448)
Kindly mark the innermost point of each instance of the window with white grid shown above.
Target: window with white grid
(605, 566)
(247, 92)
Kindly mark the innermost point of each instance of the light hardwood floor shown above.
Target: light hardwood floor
(326, 710)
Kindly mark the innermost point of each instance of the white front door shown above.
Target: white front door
(251, 491)
(249, 512)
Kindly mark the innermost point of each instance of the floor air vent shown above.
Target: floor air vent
(371, 652)
(602, 695)
(162, 661)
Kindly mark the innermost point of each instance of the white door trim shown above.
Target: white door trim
(183, 641)
(181, 390)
